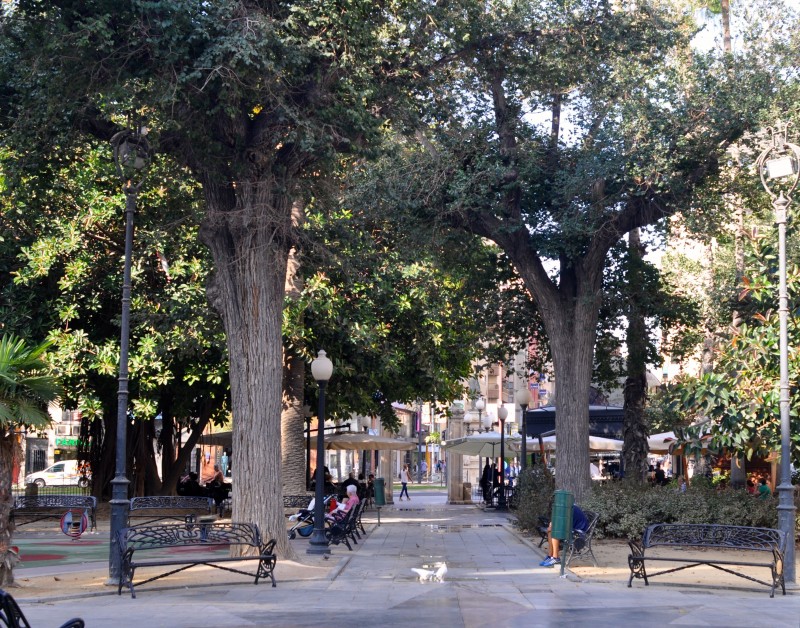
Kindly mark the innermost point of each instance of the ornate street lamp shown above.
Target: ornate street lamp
(502, 415)
(131, 157)
(778, 169)
(321, 370)
(523, 399)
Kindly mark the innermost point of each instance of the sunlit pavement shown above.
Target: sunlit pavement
(492, 579)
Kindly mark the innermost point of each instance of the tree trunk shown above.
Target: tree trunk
(572, 334)
(725, 10)
(248, 230)
(8, 558)
(293, 444)
(634, 426)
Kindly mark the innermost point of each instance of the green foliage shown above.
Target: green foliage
(65, 281)
(626, 510)
(740, 400)
(26, 384)
(534, 496)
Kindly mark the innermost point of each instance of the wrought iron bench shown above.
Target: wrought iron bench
(346, 530)
(581, 545)
(11, 614)
(170, 507)
(297, 501)
(36, 508)
(710, 536)
(143, 546)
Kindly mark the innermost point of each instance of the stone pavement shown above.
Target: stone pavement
(492, 580)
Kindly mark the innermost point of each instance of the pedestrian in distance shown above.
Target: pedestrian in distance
(404, 480)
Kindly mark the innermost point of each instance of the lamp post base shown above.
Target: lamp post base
(318, 543)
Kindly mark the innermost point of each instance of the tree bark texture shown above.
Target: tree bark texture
(293, 443)
(572, 337)
(634, 426)
(8, 558)
(248, 230)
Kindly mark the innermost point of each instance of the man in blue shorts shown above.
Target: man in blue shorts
(579, 522)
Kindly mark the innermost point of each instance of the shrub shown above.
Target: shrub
(626, 510)
(534, 496)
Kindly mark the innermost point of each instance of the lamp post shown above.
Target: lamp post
(780, 161)
(419, 441)
(502, 415)
(131, 158)
(523, 399)
(480, 404)
(321, 370)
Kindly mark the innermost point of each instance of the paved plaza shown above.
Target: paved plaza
(492, 580)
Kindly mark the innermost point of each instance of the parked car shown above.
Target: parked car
(59, 474)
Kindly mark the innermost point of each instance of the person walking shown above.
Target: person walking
(404, 480)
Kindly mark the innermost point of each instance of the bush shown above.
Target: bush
(626, 510)
(534, 496)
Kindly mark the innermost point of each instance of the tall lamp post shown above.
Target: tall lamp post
(523, 399)
(780, 161)
(419, 441)
(502, 415)
(321, 370)
(480, 405)
(131, 157)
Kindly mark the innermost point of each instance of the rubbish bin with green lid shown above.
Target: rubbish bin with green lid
(561, 518)
(380, 492)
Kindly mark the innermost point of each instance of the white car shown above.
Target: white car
(59, 474)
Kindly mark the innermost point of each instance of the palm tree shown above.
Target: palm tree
(26, 387)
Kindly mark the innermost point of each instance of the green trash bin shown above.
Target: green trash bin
(562, 515)
(380, 492)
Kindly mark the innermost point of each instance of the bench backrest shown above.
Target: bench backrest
(55, 501)
(167, 502)
(713, 535)
(186, 535)
(297, 501)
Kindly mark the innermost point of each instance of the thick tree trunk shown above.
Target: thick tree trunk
(572, 336)
(248, 230)
(634, 426)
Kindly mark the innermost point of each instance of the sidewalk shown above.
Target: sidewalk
(492, 580)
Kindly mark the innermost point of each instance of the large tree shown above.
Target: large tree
(554, 129)
(254, 99)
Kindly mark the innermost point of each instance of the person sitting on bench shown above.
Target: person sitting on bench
(579, 522)
(348, 504)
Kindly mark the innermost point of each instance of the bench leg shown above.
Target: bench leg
(266, 567)
(636, 563)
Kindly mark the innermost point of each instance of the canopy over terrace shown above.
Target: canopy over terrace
(596, 443)
(366, 442)
(487, 444)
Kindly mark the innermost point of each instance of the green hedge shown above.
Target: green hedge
(625, 510)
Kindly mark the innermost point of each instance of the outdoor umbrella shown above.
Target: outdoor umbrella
(596, 443)
(362, 442)
(483, 444)
(660, 443)
(486, 444)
